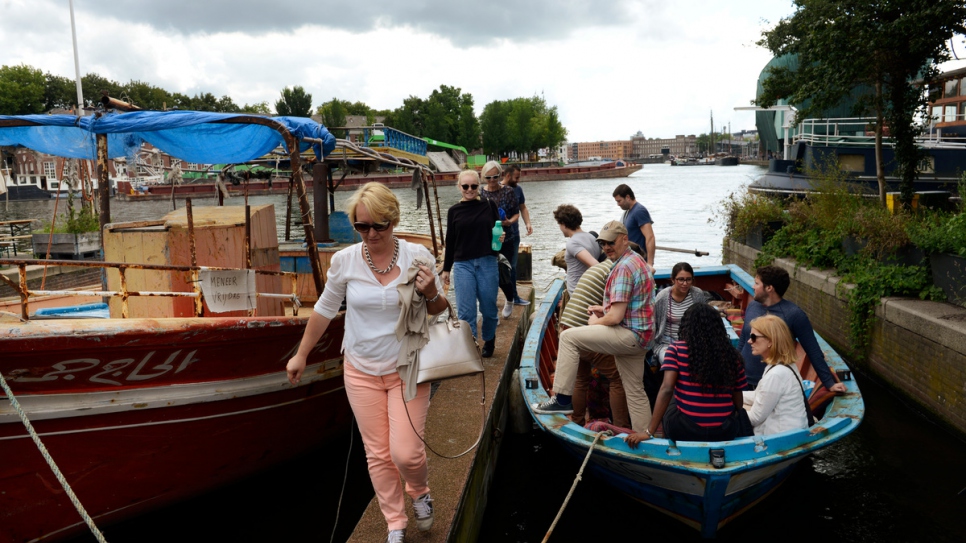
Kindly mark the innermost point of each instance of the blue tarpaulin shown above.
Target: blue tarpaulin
(192, 136)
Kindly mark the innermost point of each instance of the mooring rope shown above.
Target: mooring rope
(50, 461)
(574, 486)
(345, 477)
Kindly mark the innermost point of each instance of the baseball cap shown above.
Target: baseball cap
(611, 230)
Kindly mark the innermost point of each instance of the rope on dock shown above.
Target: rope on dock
(50, 461)
(573, 487)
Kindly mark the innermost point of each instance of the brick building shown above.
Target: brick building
(678, 145)
(606, 150)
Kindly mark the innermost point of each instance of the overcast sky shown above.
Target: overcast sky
(612, 67)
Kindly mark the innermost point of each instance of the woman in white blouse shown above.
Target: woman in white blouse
(778, 403)
(366, 276)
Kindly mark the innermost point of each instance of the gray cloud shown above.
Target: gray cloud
(464, 23)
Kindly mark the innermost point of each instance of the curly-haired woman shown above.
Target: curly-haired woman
(703, 378)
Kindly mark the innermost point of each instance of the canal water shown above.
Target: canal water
(899, 477)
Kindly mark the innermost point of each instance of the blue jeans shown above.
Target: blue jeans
(477, 280)
(511, 249)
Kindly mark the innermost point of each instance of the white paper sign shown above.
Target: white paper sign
(228, 290)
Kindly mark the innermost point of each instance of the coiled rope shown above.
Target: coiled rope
(50, 461)
(573, 487)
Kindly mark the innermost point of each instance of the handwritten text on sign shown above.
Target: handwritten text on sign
(228, 290)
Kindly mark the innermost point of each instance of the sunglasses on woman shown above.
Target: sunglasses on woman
(491, 177)
(363, 227)
(469, 187)
(755, 337)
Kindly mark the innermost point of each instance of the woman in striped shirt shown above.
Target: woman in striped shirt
(700, 397)
(669, 307)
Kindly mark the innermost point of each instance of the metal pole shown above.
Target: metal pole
(80, 93)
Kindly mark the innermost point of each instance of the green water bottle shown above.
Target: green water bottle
(497, 232)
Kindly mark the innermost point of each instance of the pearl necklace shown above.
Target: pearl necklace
(392, 263)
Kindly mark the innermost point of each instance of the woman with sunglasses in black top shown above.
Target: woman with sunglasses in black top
(471, 259)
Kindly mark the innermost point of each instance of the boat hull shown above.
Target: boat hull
(677, 478)
(137, 419)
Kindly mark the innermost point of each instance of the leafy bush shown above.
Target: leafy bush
(743, 211)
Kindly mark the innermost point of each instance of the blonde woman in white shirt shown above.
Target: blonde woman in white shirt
(366, 276)
(777, 404)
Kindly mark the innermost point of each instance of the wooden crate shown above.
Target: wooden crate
(219, 242)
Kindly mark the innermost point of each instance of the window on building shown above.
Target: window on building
(949, 113)
(962, 87)
(50, 169)
(952, 88)
(30, 166)
(54, 185)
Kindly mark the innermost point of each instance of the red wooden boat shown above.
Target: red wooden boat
(139, 413)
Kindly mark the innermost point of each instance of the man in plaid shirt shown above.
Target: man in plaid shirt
(622, 326)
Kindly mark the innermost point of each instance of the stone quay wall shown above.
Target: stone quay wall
(917, 347)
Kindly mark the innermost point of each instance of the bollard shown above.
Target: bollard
(525, 263)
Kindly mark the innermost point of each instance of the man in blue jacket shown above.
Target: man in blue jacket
(771, 282)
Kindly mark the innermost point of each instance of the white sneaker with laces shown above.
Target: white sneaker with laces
(396, 536)
(507, 310)
(423, 507)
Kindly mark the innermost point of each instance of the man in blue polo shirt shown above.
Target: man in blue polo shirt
(637, 221)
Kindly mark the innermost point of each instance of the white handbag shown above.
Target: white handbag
(451, 351)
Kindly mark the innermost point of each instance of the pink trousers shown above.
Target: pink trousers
(392, 448)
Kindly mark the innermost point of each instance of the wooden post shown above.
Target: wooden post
(288, 211)
(104, 195)
(312, 248)
(248, 237)
(320, 175)
(191, 232)
(429, 210)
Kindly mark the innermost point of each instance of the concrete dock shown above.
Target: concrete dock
(460, 486)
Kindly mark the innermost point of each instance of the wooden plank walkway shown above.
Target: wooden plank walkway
(459, 487)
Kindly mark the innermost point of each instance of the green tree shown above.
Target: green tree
(94, 85)
(260, 108)
(493, 125)
(227, 105)
(872, 50)
(294, 102)
(333, 114)
(146, 96)
(21, 90)
(204, 102)
(408, 117)
(59, 92)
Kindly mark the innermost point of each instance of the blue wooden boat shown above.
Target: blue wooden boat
(677, 478)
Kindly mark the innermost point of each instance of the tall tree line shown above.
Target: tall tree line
(521, 125)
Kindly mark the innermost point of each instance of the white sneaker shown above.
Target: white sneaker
(507, 310)
(423, 507)
(396, 536)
